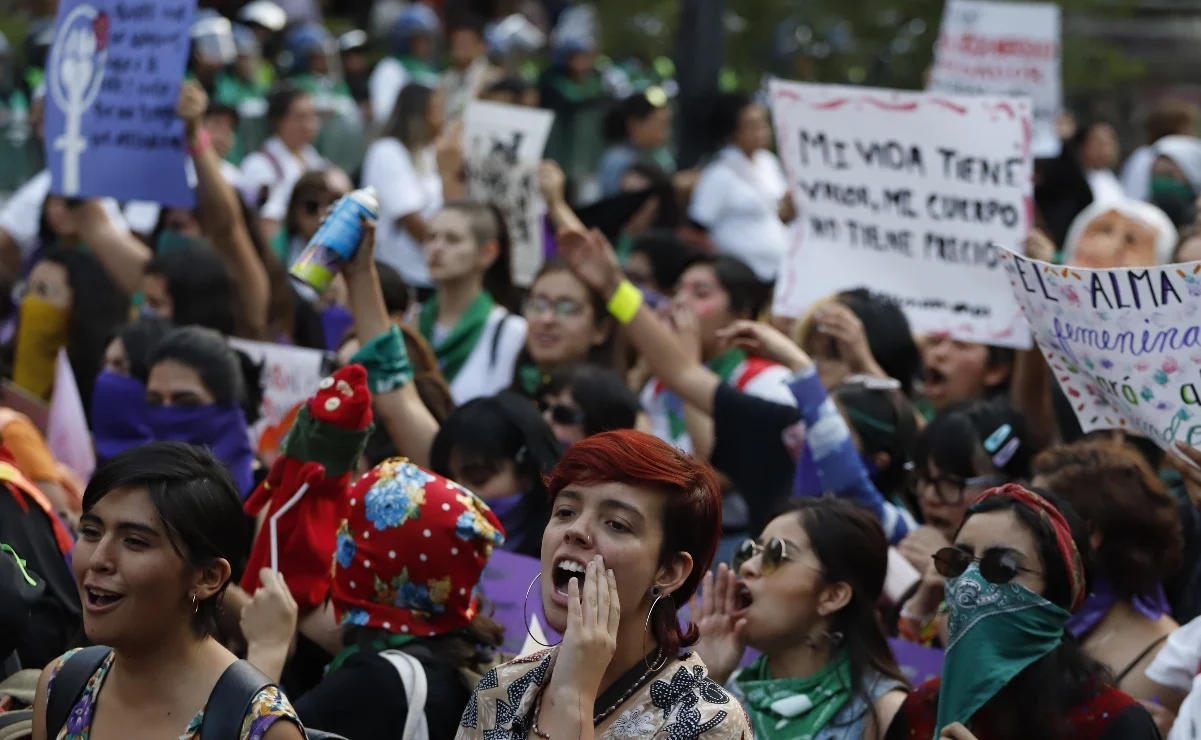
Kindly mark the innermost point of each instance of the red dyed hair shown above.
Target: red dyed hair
(693, 507)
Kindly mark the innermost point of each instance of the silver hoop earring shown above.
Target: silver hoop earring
(662, 659)
(195, 606)
(525, 616)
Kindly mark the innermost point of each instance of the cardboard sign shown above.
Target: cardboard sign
(1000, 48)
(290, 375)
(503, 146)
(912, 195)
(1124, 343)
(112, 85)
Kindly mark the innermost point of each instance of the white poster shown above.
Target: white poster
(503, 146)
(290, 375)
(1000, 48)
(1124, 343)
(911, 195)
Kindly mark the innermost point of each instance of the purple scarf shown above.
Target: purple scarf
(1101, 599)
(220, 427)
(118, 415)
(336, 321)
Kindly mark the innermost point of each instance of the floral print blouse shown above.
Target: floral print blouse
(681, 703)
(268, 706)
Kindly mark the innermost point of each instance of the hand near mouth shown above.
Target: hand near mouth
(721, 623)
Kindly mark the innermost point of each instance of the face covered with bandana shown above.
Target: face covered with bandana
(43, 326)
(1000, 621)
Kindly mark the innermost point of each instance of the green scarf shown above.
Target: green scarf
(994, 631)
(420, 71)
(391, 642)
(530, 378)
(795, 708)
(454, 350)
(724, 365)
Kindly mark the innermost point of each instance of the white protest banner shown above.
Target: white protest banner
(1000, 48)
(912, 195)
(1124, 343)
(290, 376)
(503, 146)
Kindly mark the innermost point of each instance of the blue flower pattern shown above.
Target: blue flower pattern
(346, 547)
(356, 617)
(390, 503)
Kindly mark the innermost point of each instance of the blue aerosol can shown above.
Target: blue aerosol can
(336, 242)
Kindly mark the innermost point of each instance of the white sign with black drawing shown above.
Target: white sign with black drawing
(502, 146)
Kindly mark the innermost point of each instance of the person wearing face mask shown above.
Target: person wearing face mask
(500, 448)
(1176, 177)
(634, 529)
(581, 400)
(804, 594)
(1120, 233)
(1014, 576)
(468, 321)
(118, 410)
(195, 393)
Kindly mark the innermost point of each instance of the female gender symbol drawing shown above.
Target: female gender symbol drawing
(74, 74)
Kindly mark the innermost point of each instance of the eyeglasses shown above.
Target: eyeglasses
(563, 308)
(997, 566)
(566, 415)
(775, 553)
(43, 290)
(949, 489)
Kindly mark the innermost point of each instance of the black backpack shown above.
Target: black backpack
(226, 708)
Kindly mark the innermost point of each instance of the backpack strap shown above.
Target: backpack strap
(230, 700)
(412, 674)
(500, 328)
(70, 681)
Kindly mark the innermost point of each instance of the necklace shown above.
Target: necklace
(600, 717)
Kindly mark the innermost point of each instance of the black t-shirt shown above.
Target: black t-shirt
(749, 449)
(365, 699)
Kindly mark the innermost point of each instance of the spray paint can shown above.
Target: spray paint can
(336, 242)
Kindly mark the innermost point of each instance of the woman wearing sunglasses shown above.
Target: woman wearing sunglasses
(1014, 576)
(806, 598)
(581, 400)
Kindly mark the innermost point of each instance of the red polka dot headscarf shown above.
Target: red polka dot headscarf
(411, 551)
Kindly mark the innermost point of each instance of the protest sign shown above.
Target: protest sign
(1000, 48)
(503, 146)
(289, 376)
(1124, 343)
(67, 422)
(912, 195)
(112, 84)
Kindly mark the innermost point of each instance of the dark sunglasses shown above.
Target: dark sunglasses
(774, 553)
(997, 566)
(314, 207)
(565, 415)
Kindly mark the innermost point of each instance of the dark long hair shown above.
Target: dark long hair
(139, 339)
(885, 422)
(1044, 693)
(954, 439)
(202, 291)
(851, 546)
(407, 122)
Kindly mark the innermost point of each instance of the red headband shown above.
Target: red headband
(1063, 533)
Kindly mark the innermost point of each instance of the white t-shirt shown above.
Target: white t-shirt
(486, 373)
(277, 169)
(1176, 666)
(384, 85)
(737, 199)
(21, 215)
(404, 188)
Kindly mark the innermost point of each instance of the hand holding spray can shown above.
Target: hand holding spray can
(336, 242)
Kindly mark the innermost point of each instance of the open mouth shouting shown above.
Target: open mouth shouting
(564, 570)
(100, 600)
(743, 598)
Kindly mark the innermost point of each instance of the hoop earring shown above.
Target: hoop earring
(195, 606)
(525, 617)
(662, 659)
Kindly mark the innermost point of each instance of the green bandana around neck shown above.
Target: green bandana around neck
(530, 378)
(391, 642)
(795, 708)
(995, 630)
(724, 366)
(454, 350)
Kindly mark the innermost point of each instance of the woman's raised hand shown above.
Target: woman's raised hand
(764, 341)
(722, 641)
(192, 105)
(593, 616)
(270, 617)
(592, 259)
(552, 183)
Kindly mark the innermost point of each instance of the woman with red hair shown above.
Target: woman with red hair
(613, 577)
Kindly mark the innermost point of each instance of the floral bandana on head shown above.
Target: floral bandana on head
(411, 551)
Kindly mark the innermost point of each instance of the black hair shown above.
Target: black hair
(725, 114)
(486, 432)
(851, 546)
(396, 292)
(206, 352)
(98, 307)
(954, 440)
(487, 224)
(747, 294)
(280, 100)
(139, 339)
(606, 401)
(509, 85)
(466, 20)
(1000, 357)
(668, 254)
(221, 109)
(197, 501)
(885, 422)
(1043, 694)
(202, 291)
(888, 335)
(661, 185)
(407, 122)
(637, 107)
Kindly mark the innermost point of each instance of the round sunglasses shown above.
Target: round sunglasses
(997, 566)
(775, 553)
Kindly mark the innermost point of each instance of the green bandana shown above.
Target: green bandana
(994, 631)
(530, 378)
(420, 71)
(454, 350)
(724, 365)
(391, 642)
(795, 708)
